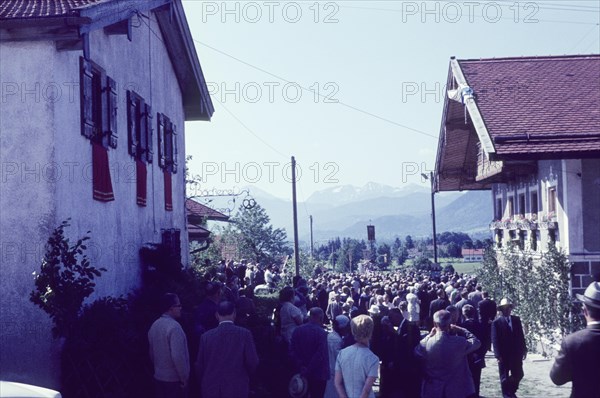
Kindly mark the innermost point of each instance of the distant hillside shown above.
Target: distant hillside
(348, 193)
(345, 212)
(469, 213)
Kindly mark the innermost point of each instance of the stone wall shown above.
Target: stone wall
(584, 272)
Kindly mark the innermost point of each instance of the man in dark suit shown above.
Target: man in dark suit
(487, 314)
(404, 367)
(226, 357)
(438, 304)
(487, 309)
(579, 357)
(476, 359)
(310, 353)
(510, 349)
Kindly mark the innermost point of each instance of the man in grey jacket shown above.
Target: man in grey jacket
(169, 350)
(444, 353)
(226, 357)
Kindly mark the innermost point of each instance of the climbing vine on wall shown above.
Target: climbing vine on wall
(539, 288)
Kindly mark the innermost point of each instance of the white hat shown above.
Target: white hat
(374, 309)
(591, 297)
(505, 302)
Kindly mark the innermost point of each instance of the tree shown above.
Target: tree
(402, 255)
(409, 242)
(468, 244)
(346, 258)
(422, 263)
(457, 237)
(384, 255)
(259, 241)
(453, 250)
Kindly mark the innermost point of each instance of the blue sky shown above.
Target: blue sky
(352, 89)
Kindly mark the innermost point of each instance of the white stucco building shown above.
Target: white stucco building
(95, 96)
(528, 129)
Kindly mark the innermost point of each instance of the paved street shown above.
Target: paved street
(535, 384)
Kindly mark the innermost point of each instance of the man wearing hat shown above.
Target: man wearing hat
(510, 349)
(579, 357)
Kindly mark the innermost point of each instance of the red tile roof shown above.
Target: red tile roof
(472, 252)
(538, 104)
(198, 210)
(197, 233)
(41, 8)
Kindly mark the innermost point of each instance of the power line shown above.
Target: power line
(591, 44)
(395, 10)
(319, 94)
(250, 130)
(303, 88)
(224, 107)
(554, 4)
(584, 36)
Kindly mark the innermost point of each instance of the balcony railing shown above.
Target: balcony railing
(523, 224)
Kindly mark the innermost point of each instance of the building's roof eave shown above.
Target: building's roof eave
(464, 94)
(76, 25)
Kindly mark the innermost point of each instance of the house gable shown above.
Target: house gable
(69, 23)
(531, 108)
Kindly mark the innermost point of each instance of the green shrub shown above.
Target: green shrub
(265, 304)
(65, 280)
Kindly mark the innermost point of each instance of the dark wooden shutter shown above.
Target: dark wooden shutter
(174, 146)
(168, 144)
(141, 131)
(86, 92)
(149, 133)
(111, 111)
(100, 107)
(131, 124)
(160, 124)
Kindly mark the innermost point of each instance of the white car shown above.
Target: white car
(9, 389)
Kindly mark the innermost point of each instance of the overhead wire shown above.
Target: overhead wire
(312, 91)
(396, 10)
(248, 129)
(591, 44)
(585, 36)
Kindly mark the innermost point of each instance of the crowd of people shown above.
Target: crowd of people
(336, 334)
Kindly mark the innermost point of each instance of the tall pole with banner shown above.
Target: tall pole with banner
(295, 210)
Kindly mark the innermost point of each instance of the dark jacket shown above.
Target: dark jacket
(309, 351)
(487, 310)
(436, 305)
(579, 361)
(477, 358)
(509, 345)
(226, 358)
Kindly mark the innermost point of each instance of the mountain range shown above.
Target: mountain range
(346, 210)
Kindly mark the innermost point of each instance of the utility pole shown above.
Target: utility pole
(350, 258)
(311, 238)
(296, 252)
(435, 257)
